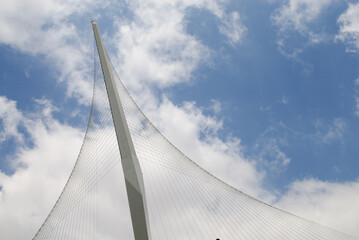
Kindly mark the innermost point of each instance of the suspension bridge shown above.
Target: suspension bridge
(162, 193)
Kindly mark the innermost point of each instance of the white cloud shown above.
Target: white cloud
(349, 26)
(232, 28)
(356, 97)
(43, 27)
(324, 202)
(216, 106)
(284, 100)
(298, 16)
(155, 48)
(328, 133)
(10, 118)
(269, 153)
(40, 172)
(265, 108)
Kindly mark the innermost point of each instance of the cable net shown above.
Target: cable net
(184, 201)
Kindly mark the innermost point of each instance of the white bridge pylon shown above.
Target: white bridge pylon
(130, 165)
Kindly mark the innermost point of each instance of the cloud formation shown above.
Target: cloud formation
(155, 47)
(232, 28)
(298, 14)
(298, 17)
(349, 34)
(40, 171)
(44, 27)
(269, 153)
(328, 133)
(324, 202)
(349, 27)
(10, 118)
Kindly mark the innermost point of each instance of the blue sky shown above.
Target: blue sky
(278, 80)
